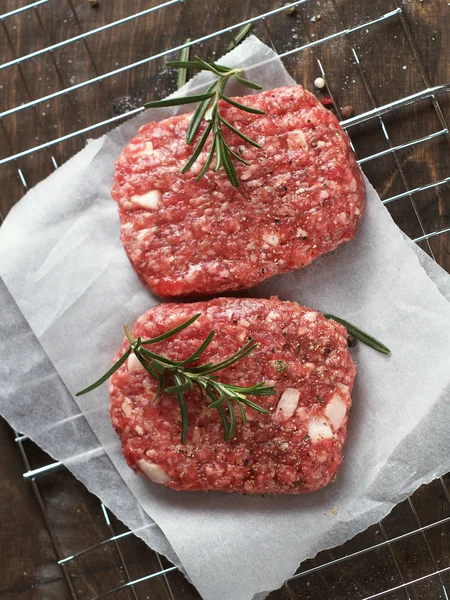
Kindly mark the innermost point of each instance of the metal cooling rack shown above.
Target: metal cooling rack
(313, 573)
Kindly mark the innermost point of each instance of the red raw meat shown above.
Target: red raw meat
(302, 196)
(295, 449)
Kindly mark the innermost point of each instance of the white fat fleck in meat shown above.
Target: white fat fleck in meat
(344, 388)
(318, 430)
(296, 139)
(271, 239)
(342, 217)
(272, 316)
(335, 411)
(244, 323)
(142, 234)
(193, 272)
(301, 233)
(287, 404)
(148, 201)
(153, 472)
(148, 150)
(133, 364)
(310, 316)
(127, 407)
(246, 175)
(353, 185)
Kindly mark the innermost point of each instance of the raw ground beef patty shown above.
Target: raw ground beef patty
(296, 448)
(302, 196)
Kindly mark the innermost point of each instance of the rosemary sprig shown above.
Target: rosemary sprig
(208, 111)
(360, 335)
(179, 377)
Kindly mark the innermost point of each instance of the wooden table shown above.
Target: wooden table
(63, 517)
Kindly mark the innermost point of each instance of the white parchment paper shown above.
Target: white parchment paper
(68, 289)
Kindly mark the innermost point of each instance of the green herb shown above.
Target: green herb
(360, 335)
(208, 111)
(240, 36)
(179, 377)
(182, 73)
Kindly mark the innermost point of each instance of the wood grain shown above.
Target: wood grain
(388, 70)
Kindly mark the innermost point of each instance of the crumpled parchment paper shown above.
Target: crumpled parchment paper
(67, 290)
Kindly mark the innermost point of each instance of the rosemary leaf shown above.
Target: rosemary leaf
(243, 107)
(207, 163)
(219, 152)
(247, 83)
(224, 421)
(198, 116)
(149, 367)
(243, 413)
(255, 406)
(227, 362)
(236, 156)
(171, 332)
(196, 355)
(232, 429)
(186, 64)
(360, 335)
(209, 66)
(107, 375)
(184, 57)
(240, 36)
(156, 357)
(175, 389)
(198, 149)
(178, 101)
(239, 133)
(184, 416)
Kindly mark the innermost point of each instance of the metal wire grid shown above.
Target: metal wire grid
(376, 113)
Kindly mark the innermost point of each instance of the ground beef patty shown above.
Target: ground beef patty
(295, 449)
(301, 197)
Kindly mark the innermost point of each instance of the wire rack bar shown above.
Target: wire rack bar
(372, 548)
(416, 142)
(114, 538)
(43, 470)
(347, 123)
(119, 552)
(148, 59)
(343, 32)
(83, 36)
(407, 584)
(16, 11)
(416, 190)
(136, 581)
(71, 135)
(48, 525)
(297, 575)
(386, 108)
(427, 236)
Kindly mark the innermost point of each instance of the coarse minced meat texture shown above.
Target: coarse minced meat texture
(296, 448)
(302, 196)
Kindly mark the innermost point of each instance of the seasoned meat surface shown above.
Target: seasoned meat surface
(296, 448)
(301, 197)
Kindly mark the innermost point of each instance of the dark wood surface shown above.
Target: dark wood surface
(388, 70)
